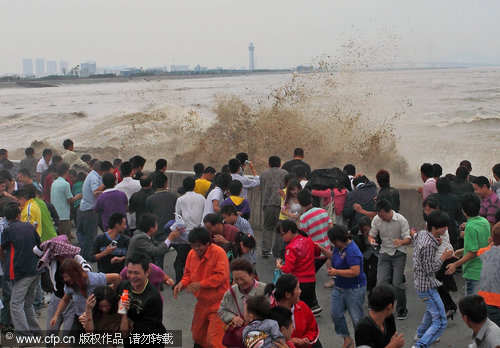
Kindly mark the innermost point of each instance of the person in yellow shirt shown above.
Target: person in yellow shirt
(203, 184)
(31, 211)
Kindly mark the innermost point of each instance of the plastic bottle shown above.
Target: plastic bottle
(123, 298)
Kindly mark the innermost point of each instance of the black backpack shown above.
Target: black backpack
(322, 179)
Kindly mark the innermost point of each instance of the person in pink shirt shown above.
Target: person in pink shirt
(427, 175)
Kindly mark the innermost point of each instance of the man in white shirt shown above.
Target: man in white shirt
(248, 183)
(129, 186)
(394, 231)
(43, 164)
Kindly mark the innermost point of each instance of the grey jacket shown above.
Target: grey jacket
(227, 310)
(141, 243)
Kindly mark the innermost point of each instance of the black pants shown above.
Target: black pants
(318, 263)
(448, 284)
(370, 269)
(308, 294)
(180, 260)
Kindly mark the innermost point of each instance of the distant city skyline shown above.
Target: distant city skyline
(217, 33)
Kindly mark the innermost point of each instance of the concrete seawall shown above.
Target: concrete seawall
(411, 201)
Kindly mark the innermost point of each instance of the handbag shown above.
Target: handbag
(233, 337)
(276, 274)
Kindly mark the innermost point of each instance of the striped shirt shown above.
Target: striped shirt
(425, 261)
(489, 206)
(315, 222)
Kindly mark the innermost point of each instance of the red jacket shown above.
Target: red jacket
(304, 323)
(299, 258)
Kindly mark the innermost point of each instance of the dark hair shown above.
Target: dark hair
(298, 152)
(471, 204)
(350, 169)
(427, 170)
(443, 185)
(96, 164)
(6, 175)
(188, 183)
(235, 187)
(24, 171)
(67, 143)
(160, 180)
(85, 157)
(234, 165)
(139, 259)
(46, 152)
(496, 169)
(363, 179)
(117, 162)
(213, 219)
(482, 181)
(467, 165)
(383, 178)
(432, 202)
(225, 169)
(241, 264)
(137, 161)
(126, 169)
(3, 152)
(474, 308)
(56, 159)
(338, 233)
(7, 165)
(72, 172)
(285, 284)
(462, 173)
(292, 184)
(228, 209)
(299, 171)
(104, 293)
(145, 181)
(108, 180)
(274, 162)
(209, 170)
(247, 239)
(304, 198)
(146, 222)
(115, 219)
(29, 151)
(11, 210)
(364, 221)
(437, 219)
(199, 235)
(62, 169)
(161, 163)
(289, 177)
(27, 192)
(106, 166)
(81, 176)
(383, 204)
(285, 226)
(259, 306)
(52, 168)
(242, 157)
(198, 168)
(380, 297)
(437, 170)
(222, 180)
(282, 315)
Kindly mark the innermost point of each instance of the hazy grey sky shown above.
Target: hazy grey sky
(217, 33)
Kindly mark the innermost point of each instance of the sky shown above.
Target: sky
(216, 33)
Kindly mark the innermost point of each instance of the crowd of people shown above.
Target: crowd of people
(353, 230)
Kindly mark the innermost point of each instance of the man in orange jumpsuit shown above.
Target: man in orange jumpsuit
(206, 276)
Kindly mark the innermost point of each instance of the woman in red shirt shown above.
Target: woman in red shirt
(286, 294)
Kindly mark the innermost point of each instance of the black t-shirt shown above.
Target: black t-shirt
(146, 310)
(137, 202)
(288, 166)
(104, 265)
(392, 195)
(161, 204)
(367, 333)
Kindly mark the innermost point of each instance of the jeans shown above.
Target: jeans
(7, 293)
(346, 299)
(21, 305)
(471, 286)
(434, 321)
(180, 260)
(65, 319)
(39, 297)
(390, 270)
(271, 218)
(86, 230)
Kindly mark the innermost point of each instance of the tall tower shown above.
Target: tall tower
(251, 66)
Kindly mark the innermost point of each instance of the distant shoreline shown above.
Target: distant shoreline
(43, 83)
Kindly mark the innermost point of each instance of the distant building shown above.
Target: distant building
(199, 68)
(63, 67)
(88, 68)
(27, 67)
(176, 68)
(51, 67)
(40, 67)
(251, 65)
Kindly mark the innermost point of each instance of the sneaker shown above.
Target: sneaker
(402, 315)
(316, 310)
(416, 338)
(267, 254)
